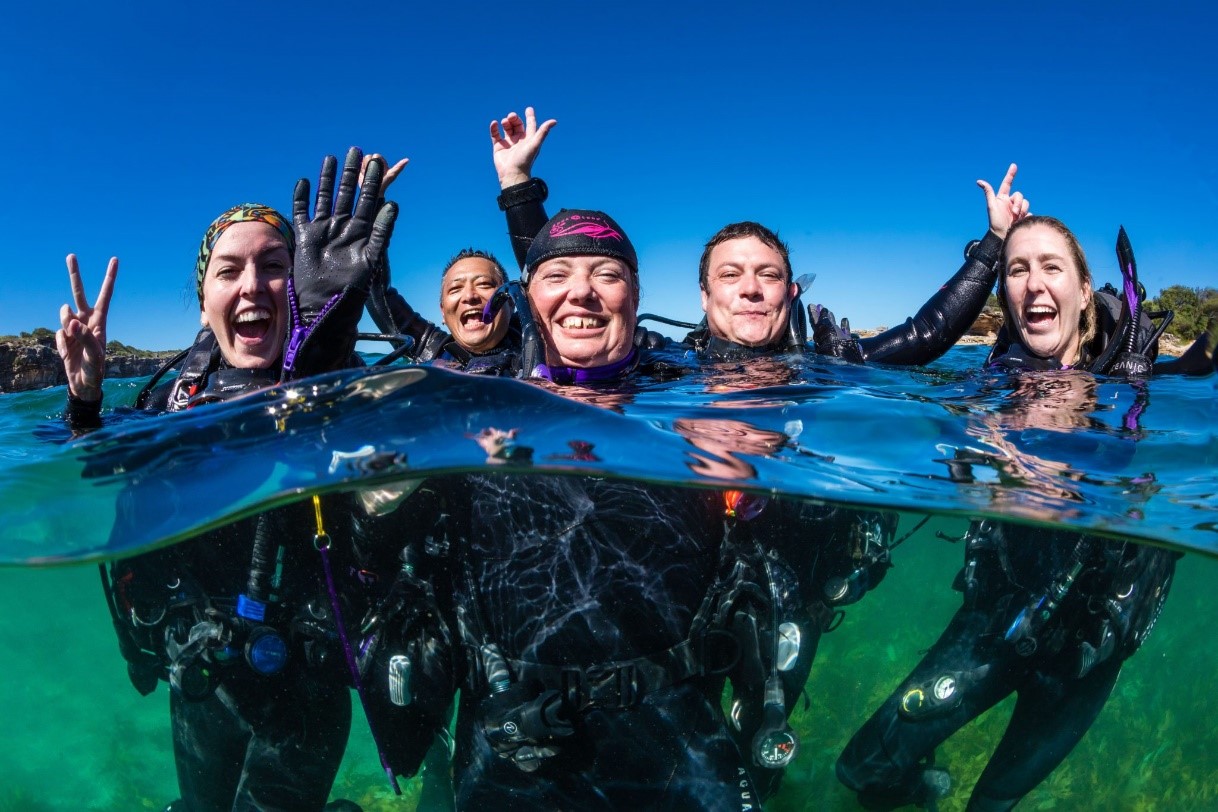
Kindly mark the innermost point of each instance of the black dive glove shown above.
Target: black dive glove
(831, 339)
(337, 254)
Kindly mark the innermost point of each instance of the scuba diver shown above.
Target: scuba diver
(481, 338)
(1049, 615)
(586, 609)
(753, 310)
(244, 621)
(801, 563)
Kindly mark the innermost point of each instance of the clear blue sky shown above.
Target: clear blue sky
(856, 130)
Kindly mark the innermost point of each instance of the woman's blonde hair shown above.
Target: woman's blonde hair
(1087, 319)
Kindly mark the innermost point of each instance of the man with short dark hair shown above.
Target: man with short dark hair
(479, 338)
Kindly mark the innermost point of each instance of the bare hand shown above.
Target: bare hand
(81, 338)
(391, 174)
(1005, 209)
(516, 144)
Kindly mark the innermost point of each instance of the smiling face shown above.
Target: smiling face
(466, 288)
(747, 295)
(245, 294)
(1045, 292)
(586, 309)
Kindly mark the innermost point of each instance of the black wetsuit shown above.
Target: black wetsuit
(242, 740)
(1049, 615)
(1063, 670)
(587, 596)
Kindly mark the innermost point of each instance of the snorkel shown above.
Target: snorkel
(532, 352)
(1131, 362)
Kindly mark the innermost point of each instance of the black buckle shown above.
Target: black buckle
(610, 687)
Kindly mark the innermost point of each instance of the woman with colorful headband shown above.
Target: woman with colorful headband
(239, 620)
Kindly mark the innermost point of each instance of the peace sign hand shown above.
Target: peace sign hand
(81, 338)
(1005, 209)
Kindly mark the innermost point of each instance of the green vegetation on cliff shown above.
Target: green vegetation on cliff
(1194, 307)
(46, 337)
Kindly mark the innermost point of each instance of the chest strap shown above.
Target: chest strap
(624, 683)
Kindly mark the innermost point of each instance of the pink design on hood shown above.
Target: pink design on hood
(592, 227)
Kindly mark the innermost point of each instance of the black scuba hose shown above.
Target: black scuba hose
(141, 400)
(265, 561)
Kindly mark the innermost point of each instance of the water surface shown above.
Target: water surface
(1058, 450)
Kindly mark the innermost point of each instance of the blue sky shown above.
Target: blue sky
(857, 131)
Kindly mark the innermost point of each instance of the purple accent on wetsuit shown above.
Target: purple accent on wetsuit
(1133, 415)
(568, 375)
(349, 656)
(301, 332)
(592, 227)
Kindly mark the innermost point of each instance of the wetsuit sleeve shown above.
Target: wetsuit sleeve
(524, 205)
(946, 315)
(83, 415)
(429, 340)
(1199, 359)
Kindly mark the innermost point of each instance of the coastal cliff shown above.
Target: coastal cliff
(33, 363)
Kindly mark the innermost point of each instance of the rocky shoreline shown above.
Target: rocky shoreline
(27, 364)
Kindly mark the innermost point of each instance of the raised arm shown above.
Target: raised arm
(948, 314)
(515, 145)
(81, 340)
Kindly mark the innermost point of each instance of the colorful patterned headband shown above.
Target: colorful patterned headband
(243, 213)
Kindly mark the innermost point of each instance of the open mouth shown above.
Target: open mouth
(1039, 315)
(472, 319)
(252, 326)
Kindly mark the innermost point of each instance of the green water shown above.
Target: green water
(80, 738)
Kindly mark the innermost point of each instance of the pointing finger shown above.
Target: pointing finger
(1005, 188)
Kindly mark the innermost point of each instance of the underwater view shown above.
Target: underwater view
(938, 447)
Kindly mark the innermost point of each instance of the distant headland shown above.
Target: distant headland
(30, 361)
